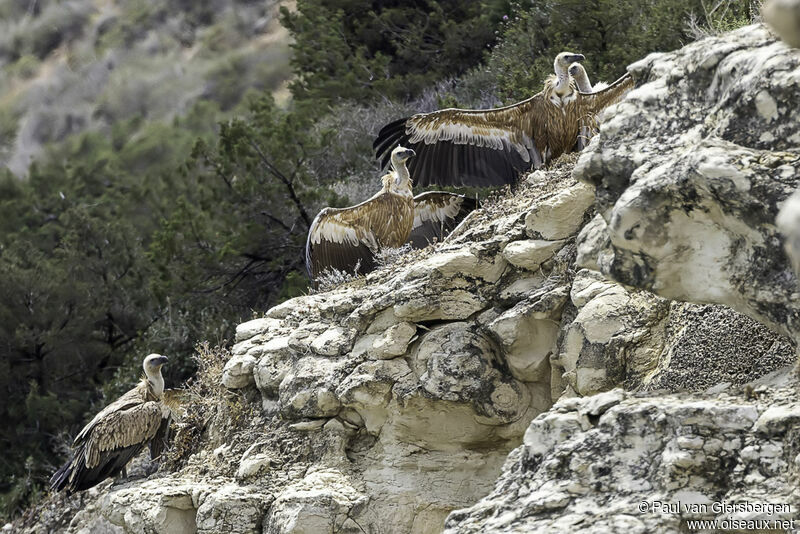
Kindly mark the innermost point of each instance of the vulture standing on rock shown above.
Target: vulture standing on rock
(492, 147)
(588, 126)
(118, 433)
(347, 239)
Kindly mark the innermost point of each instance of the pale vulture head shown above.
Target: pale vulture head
(577, 71)
(152, 365)
(401, 154)
(565, 59)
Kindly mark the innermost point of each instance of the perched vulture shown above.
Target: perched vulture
(493, 146)
(578, 73)
(118, 433)
(347, 239)
(588, 127)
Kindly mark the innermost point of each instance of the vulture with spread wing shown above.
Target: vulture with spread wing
(119, 432)
(347, 239)
(589, 124)
(492, 147)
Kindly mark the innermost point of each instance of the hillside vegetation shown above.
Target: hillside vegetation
(159, 181)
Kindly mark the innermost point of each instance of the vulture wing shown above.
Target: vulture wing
(436, 214)
(122, 430)
(108, 443)
(464, 147)
(595, 102)
(343, 238)
(599, 100)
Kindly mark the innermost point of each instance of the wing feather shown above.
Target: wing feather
(468, 147)
(599, 100)
(342, 238)
(436, 213)
(122, 429)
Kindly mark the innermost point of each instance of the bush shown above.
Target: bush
(345, 52)
(611, 34)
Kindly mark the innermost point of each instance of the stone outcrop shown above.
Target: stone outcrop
(618, 463)
(784, 17)
(691, 171)
(576, 349)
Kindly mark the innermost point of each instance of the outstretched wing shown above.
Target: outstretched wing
(436, 214)
(464, 147)
(344, 238)
(597, 101)
(602, 96)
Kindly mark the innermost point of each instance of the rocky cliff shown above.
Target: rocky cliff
(609, 339)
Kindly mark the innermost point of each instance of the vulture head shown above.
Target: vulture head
(401, 154)
(565, 59)
(578, 73)
(152, 369)
(401, 179)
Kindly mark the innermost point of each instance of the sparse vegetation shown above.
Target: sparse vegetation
(158, 195)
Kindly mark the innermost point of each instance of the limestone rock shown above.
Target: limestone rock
(238, 372)
(150, 507)
(275, 363)
(562, 215)
(308, 389)
(461, 262)
(788, 222)
(784, 17)
(450, 305)
(367, 390)
(333, 341)
(530, 254)
(581, 451)
(255, 327)
(691, 169)
(528, 333)
(323, 501)
(455, 364)
(393, 342)
(233, 509)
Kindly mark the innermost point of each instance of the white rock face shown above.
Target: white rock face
(648, 453)
(562, 215)
(530, 254)
(788, 222)
(393, 342)
(689, 179)
(393, 402)
(238, 372)
(321, 502)
(133, 508)
(783, 16)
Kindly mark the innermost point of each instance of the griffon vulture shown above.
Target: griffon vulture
(347, 239)
(118, 433)
(493, 146)
(588, 127)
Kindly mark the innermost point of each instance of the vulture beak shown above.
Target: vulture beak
(409, 153)
(162, 360)
(574, 58)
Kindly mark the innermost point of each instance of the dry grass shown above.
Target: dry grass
(199, 401)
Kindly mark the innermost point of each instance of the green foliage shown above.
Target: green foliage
(720, 16)
(344, 51)
(151, 235)
(612, 34)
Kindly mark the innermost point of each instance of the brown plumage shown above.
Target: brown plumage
(347, 239)
(588, 124)
(118, 432)
(492, 147)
